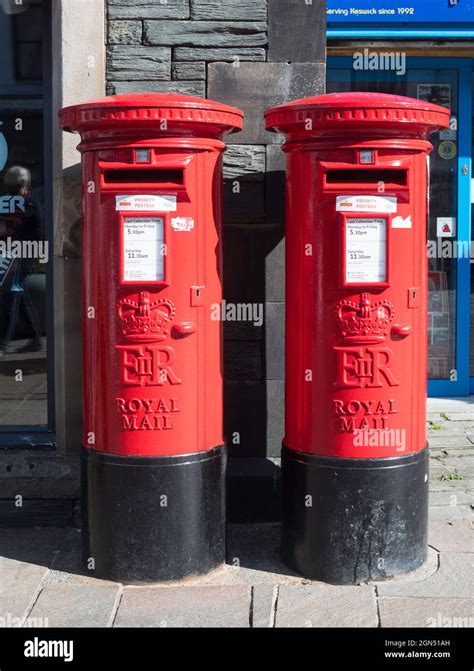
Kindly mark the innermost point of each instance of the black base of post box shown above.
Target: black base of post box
(347, 521)
(152, 518)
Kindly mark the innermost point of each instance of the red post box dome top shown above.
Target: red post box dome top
(341, 113)
(148, 110)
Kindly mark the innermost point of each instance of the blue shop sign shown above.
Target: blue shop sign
(400, 11)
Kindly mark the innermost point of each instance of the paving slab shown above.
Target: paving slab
(437, 485)
(20, 584)
(78, 605)
(444, 465)
(456, 404)
(41, 577)
(462, 451)
(321, 605)
(210, 606)
(460, 416)
(449, 429)
(454, 578)
(444, 424)
(453, 498)
(25, 555)
(437, 467)
(433, 417)
(451, 536)
(449, 441)
(430, 612)
(264, 600)
(450, 513)
(463, 465)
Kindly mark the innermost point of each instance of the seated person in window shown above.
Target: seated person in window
(23, 224)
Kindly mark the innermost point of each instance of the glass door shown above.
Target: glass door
(470, 205)
(26, 398)
(443, 82)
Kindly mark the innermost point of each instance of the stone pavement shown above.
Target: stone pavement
(41, 579)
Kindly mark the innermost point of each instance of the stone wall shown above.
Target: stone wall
(166, 47)
(250, 54)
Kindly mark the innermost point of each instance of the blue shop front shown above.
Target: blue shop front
(425, 49)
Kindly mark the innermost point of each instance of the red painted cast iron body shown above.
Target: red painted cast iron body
(152, 352)
(356, 272)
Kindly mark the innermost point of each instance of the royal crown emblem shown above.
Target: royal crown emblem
(364, 322)
(143, 321)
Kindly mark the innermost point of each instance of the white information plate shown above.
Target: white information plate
(366, 250)
(143, 249)
(366, 203)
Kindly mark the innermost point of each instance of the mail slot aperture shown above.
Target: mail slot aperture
(143, 176)
(364, 178)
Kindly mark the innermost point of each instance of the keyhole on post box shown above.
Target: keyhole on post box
(413, 297)
(198, 296)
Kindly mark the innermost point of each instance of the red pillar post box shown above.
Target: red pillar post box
(355, 457)
(153, 457)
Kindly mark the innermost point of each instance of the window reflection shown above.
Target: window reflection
(21, 44)
(24, 254)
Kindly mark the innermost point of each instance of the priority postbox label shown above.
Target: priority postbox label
(366, 203)
(146, 203)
